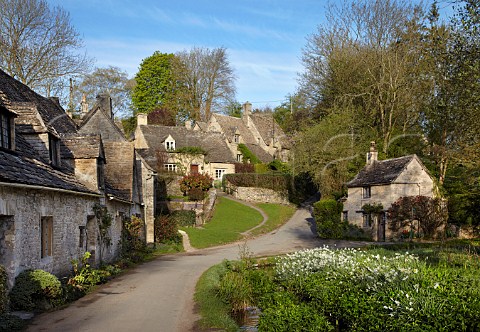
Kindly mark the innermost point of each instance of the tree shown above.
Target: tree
(365, 59)
(208, 81)
(112, 81)
(155, 83)
(430, 213)
(40, 47)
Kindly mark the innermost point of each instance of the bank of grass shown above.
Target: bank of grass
(229, 220)
(435, 289)
(214, 312)
(277, 216)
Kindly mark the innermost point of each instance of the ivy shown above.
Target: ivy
(104, 220)
(248, 156)
(191, 150)
(374, 208)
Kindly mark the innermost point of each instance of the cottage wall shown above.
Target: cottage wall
(148, 190)
(86, 172)
(23, 210)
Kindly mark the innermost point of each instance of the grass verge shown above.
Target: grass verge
(215, 313)
(277, 216)
(229, 220)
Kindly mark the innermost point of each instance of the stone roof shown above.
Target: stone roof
(268, 127)
(231, 125)
(77, 146)
(201, 125)
(21, 167)
(381, 172)
(51, 113)
(260, 153)
(213, 143)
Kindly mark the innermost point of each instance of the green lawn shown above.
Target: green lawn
(277, 216)
(229, 220)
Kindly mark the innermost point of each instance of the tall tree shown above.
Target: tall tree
(364, 57)
(112, 81)
(155, 83)
(208, 81)
(39, 45)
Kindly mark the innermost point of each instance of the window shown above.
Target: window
(53, 144)
(170, 168)
(100, 173)
(81, 241)
(236, 138)
(219, 173)
(345, 216)
(170, 144)
(367, 220)
(367, 192)
(5, 129)
(239, 157)
(46, 236)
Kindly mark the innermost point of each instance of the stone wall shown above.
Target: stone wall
(22, 210)
(259, 195)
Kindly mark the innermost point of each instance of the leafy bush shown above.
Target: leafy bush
(132, 238)
(35, 290)
(3, 290)
(277, 165)
(166, 229)
(327, 210)
(277, 182)
(184, 217)
(200, 181)
(244, 168)
(196, 194)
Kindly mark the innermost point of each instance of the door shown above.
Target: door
(193, 169)
(381, 227)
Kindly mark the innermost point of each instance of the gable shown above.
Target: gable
(97, 122)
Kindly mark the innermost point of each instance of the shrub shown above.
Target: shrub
(244, 168)
(166, 229)
(277, 182)
(201, 181)
(327, 210)
(196, 194)
(132, 238)
(184, 217)
(35, 290)
(3, 290)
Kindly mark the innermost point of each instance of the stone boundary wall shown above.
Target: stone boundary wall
(259, 195)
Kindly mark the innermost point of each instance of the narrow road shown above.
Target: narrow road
(157, 296)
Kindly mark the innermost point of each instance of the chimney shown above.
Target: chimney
(372, 155)
(142, 119)
(247, 110)
(83, 106)
(188, 125)
(105, 102)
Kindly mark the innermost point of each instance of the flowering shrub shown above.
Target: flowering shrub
(200, 181)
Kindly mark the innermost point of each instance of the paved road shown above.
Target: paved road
(157, 296)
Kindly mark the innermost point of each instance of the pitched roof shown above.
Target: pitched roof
(213, 143)
(21, 167)
(268, 128)
(381, 172)
(77, 146)
(50, 111)
(260, 153)
(231, 125)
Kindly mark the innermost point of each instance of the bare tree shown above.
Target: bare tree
(208, 81)
(40, 47)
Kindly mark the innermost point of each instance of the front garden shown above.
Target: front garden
(427, 287)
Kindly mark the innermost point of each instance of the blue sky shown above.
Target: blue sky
(263, 38)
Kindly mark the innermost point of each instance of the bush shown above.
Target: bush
(184, 217)
(327, 210)
(277, 182)
(200, 181)
(196, 194)
(248, 156)
(3, 290)
(132, 238)
(166, 229)
(35, 290)
(244, 168)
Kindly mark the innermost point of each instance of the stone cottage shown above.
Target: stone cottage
(166, 153)
(384, 182)
(51, 183)
(258, 131)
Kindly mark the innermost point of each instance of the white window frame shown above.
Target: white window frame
(236, 138)
(219, 173)
(367, 192)
(171, 168)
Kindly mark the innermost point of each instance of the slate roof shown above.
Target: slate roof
(231, 125)
(50, 111)
(22, 167)
(267, 126)
(77, 146)
(259, 153)
(381, 172)
(213, 143)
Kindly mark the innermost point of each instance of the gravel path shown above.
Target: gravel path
(158, 295)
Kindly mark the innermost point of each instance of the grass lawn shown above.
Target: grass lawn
(229, 220)
(277, 216)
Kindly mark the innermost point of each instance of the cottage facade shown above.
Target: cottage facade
(383, 183)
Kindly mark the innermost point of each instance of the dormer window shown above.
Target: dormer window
(53, 150)
(6, 125)
(236, 138)
(170, 144)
